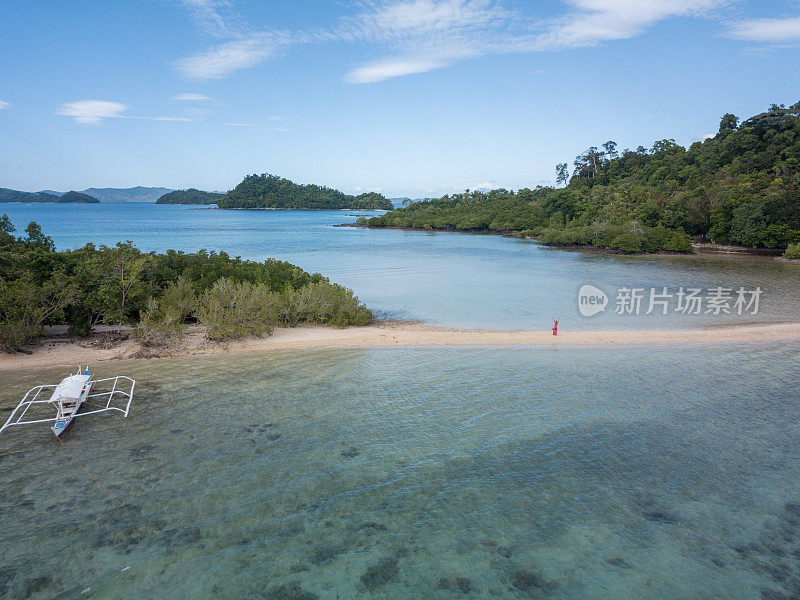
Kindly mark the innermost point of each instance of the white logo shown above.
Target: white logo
(591, 300)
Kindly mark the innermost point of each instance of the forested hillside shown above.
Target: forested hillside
(77, 197)
(271, 191)
(7, 195)
(740, 187)
(190, 196)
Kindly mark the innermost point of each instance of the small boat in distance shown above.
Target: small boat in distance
(67, 398)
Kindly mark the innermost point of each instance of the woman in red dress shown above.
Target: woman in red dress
(555, 327)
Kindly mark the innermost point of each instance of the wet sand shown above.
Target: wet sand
(109, 345)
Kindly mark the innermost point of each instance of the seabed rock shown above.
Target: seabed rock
(293, 591)
(619, 562)
(456, 584)
(659, 516)
(36, 585)
(529, 582)
(6, 575)
(379, 574)
(324, 554)
(142, 450)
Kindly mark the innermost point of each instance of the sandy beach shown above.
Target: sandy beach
(113, 345)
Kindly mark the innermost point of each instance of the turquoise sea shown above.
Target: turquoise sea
(520, 472)
(460, 280)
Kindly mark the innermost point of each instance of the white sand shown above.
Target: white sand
(74, 351)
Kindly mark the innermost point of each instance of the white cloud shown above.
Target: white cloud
(4, 104)
(215, 17)
(428, 34)
(392, 67)
(95, 111)
(92, 111)
(226, 58)
(773, 31)
(422, 35)
(416, 36)
(191, 98)
(591, 22)
(381, 21)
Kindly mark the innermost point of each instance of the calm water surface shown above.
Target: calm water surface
(418, 473)
(565, 473)
(442, 278)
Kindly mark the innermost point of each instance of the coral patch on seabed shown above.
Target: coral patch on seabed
(379, 574)
(462, 585)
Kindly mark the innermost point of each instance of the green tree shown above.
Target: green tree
(562, 174)
(728, 123)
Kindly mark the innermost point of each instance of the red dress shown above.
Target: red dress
(555, 329)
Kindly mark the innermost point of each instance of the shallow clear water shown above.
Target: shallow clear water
(442, 278)
(669, 472)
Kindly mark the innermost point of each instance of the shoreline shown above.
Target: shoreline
(697, 248)
(114, 344)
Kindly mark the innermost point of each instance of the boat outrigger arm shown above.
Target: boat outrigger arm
(67, 404)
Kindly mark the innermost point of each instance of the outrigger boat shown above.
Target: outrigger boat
(68, 397)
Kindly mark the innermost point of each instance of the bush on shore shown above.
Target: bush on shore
(158, 294)
(628, 239)
(792, 252)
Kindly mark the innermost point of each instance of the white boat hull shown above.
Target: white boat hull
(63, 424)
(68, 406)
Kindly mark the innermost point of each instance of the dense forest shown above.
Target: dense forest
(271, 191)
(739, 187)
(7, 195)
(158, 294)
(190, 196)
(77, 197)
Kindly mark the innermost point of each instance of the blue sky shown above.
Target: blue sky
(407, 97)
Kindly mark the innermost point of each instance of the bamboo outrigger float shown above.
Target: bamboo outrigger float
(68, 397)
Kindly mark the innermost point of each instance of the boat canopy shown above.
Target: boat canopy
(70, 387)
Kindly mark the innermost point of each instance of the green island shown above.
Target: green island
(190, 196)
(739, 187)
(158, 294)
(7, 195)
(271, 191)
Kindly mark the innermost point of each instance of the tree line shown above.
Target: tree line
(740, 187)
(158, 294)
(271, 191)
(190, 196)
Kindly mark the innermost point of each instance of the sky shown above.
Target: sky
(414, 98)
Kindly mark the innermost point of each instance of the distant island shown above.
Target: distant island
(133, 194)
(271, 191)
(739, 187)
(190, 196)
(7, 195)
(77, 197)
